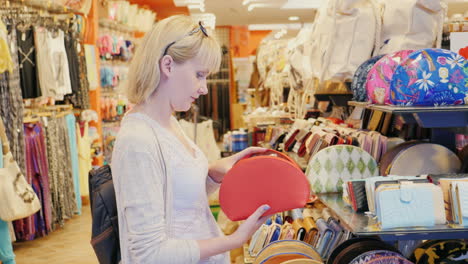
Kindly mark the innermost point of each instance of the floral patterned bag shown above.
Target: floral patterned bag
(380, 76)
(430, 77)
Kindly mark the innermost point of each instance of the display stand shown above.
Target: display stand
(361, 224)
(443, 121)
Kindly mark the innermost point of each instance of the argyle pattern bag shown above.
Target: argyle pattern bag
(332, 166)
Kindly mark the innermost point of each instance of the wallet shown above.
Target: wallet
(287, 232)
(311, 230)
(357, 194)
(274, 232)
(291, 141)
(408, 204)
(445, 183)
(338, 233)
(256, 179)
(299, 230)
(373, 182)
(460, 202)
(325, 237)
(258, 240)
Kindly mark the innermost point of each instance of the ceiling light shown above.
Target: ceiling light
(254, 5)
(302, 4)
(293, 18)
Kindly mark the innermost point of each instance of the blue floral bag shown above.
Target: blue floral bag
(358, 86)
(430, 77)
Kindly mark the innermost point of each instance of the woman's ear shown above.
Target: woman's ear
(166, 64)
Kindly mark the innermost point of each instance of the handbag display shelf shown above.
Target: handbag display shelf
(441, 120)
(361, 224)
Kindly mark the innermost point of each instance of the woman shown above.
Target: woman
(152, 155)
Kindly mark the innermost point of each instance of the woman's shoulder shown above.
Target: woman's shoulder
(136, 133)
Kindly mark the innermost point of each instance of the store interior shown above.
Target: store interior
(365, 100)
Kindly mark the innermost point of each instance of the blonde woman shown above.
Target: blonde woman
(169, 221)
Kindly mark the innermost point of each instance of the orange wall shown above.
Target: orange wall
(255, 37)
(244, 42)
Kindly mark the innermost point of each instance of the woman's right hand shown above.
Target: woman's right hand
(250, 225)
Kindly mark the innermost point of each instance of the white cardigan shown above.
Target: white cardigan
(148, 233)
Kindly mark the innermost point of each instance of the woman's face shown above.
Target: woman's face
(188, 82)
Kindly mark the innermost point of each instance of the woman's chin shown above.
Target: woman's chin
(184, 108)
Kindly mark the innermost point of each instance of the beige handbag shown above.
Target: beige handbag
(18, 198)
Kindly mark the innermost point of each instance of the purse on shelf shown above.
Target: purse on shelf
(430, 77)
(17, 197)
(426, 158)
(380, 76)
(332, 166)
(358, 85)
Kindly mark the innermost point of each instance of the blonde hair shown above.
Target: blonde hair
(144, 72)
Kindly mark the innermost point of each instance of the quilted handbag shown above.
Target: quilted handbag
(256, 179)
(358, 86)
(332, 166)
(430, 77)
(380, 76)
(407, 205)
(285, 250)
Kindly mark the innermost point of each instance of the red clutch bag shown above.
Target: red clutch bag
(264, 178)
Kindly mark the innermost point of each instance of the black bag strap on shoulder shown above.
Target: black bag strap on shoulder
(105, 227)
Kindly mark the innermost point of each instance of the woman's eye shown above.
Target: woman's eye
(200, 75)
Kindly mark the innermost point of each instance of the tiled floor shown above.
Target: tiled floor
(68, 245)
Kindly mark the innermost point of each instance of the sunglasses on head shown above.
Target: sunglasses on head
(199, 28)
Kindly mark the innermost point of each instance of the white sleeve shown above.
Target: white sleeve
(138, 179)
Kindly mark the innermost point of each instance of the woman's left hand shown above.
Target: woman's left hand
(220, 167)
